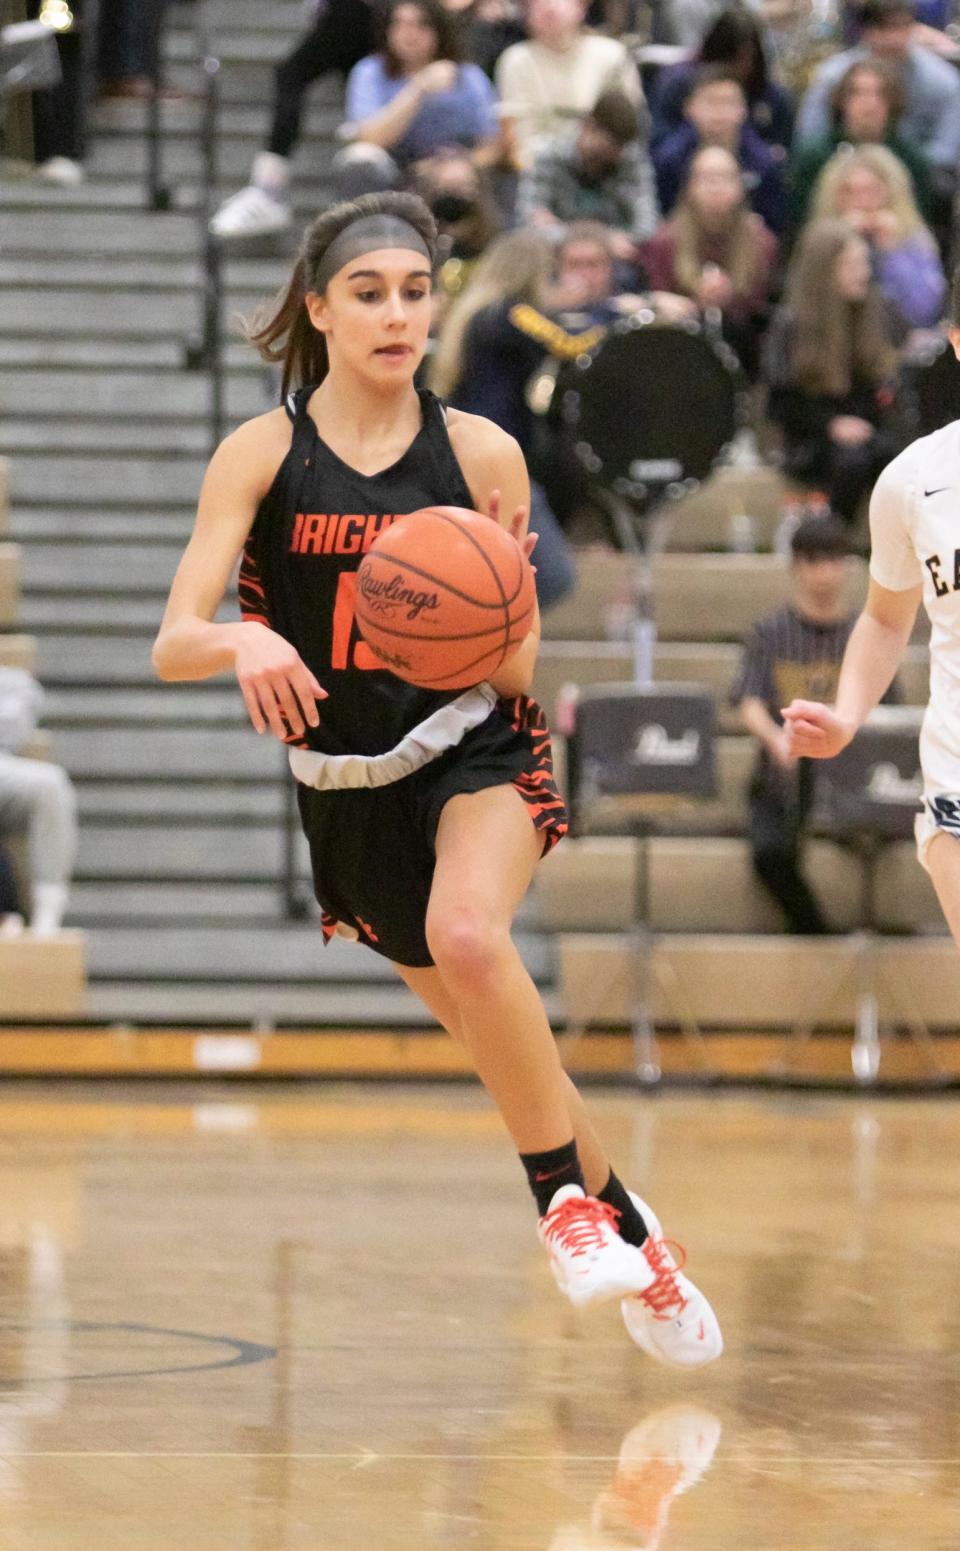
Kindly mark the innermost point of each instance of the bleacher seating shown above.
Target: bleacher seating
(181, 841)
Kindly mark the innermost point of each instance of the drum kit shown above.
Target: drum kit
(647, 415)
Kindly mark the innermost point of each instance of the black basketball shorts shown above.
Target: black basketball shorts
(372, 850)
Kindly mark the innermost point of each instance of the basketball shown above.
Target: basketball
(444, 595)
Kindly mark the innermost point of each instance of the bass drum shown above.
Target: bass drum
(648, 413)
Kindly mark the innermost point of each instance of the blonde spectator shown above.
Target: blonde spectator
(870, 189)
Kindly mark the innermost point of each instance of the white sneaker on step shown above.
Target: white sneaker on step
(590, 1261)
(252, 212)
(669, 1318)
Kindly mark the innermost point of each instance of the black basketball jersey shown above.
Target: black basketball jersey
(299, 571)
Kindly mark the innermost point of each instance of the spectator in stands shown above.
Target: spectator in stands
(717, 252)
(466, 215)
(553, 80)
(127, 35)
(931, 87)
(796, 651)
(59, 111)
(495, 337)
(715, 113)
(11, 911)
(870, 190)
(735, 40)
(341, 35)
(596, 172)
(490, 27)
(866, 109)
(412, 99)
(36, 796)
(830, 366)
(586, 294)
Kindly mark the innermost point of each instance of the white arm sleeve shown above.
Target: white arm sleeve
(894, 562)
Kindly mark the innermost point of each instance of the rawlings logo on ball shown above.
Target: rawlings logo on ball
(382, 596)
(392, 659)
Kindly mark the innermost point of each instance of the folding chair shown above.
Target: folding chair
(637, 754)
(867, 798)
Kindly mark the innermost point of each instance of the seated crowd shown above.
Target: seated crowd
(795, 200)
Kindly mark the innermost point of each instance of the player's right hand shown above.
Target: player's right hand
(815, 731)
(279, 691)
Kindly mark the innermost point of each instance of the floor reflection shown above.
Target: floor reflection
(660, 1458)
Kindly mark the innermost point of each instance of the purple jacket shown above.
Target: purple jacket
(911, 277)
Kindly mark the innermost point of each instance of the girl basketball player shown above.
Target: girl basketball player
(915, 554)
(426, 813)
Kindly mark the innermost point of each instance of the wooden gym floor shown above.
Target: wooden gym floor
(251, 1319)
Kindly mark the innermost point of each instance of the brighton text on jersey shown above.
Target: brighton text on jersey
(336, 533)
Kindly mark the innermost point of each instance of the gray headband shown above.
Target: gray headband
(367, 235)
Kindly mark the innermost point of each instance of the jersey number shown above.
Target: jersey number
(344, 622)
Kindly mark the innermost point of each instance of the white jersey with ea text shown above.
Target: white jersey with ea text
(915, 538)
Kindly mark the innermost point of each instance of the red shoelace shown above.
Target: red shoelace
(663, 1297)
(577, 1225)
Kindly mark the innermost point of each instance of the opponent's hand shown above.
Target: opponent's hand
(780, 748)
(276, 683)
(815, 731)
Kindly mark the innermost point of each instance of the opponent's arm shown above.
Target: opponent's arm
(881, 633)
(274, 682)
(496, 473)
(873, 655)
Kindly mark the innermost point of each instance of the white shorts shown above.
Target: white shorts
(940, 815)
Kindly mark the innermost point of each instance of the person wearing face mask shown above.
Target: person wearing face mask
(597, 172)
(467, 218)
(831, 368)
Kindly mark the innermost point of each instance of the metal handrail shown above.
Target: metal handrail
(203, 352)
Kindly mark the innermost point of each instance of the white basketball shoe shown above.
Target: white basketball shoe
(590, 1261)
(669, 1318)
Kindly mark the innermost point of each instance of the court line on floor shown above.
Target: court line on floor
(370, 1456)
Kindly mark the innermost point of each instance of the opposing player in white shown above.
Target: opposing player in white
(915, 554)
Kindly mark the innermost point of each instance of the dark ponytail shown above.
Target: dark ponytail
(283, 331)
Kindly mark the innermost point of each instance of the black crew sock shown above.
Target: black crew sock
(630, 1225)
(548, 1172)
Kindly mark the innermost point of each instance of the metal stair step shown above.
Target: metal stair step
(104, 395)
(39, 525)
(186, 753)
(117, 481)
(217, 703)
(169, 802)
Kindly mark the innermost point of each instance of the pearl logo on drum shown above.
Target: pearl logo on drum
(654, 746)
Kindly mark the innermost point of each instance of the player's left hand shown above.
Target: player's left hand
(517, 525)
